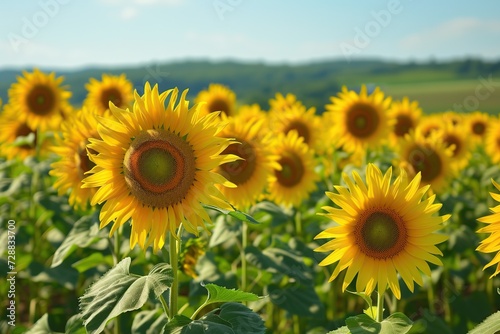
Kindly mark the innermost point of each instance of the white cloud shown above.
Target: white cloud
(131, 8)
(128, 13)
(454, 29)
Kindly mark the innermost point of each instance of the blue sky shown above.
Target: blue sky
(74, 34)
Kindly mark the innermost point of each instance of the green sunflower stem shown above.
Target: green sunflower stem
(174, 245)
(380, 304)
(244, 243)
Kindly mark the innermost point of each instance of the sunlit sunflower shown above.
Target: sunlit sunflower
(492, 140)
(257, 162)
(74, 161)
(457, 138)
(428, 156)
(217, 98)
(359, 120)
(307, 124)
(38, 99)
(383, 229)
(154, 165)
(115, 89)
(429, 123)
(478, 123)
(453, 118)
(492, 243)
(251, 113)
(280, 102)
(12, 130)
(192, 250)
(407, 115)
(296, 179)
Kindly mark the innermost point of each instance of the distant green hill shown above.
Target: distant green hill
(465, 84)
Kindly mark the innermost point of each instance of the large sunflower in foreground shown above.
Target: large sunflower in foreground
(257, 162)
(38, 99)
(71, 147)
(492, 243)
(359, 120)
(217, 98)
(429, 156)
(115, 89)
(154, 165)
(383, 229)
(407, 115)
(11, 128)
(296, 178)
(492, 140)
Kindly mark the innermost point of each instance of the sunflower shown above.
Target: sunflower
(296, 178)
(281, 103)
(452, 118)
(359, 120)
(407, 114)
(383, 229)
(307, 124)
(428, 156)
(251, 172)
(154, 165)
(192, 250)
(456, 138)
(492, 140)
(492, 243)
(428, 124)
(217, 98)
(478, 123)
(115, 89)
(251, 113)
(71, 146)
(38, 99)
(11, 129)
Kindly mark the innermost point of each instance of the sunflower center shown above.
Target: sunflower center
(239, 171)
(453, 140)
(41, 100)
(83, 160)
(426, 161)
(24, 130)
(113, 95)
(478, 128)
(404, 124)
(301, 129)
(160, 168)
(362, 120)
(380, 234)
(219, 105)
(292, 170)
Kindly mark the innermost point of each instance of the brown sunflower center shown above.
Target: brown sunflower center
(83, 161)
(219, 104)
(301, 128)
(380, 234)
(41, 100)
(404, 124)
(426, 161)
(362, 120)
(24, 130)
(478, 128)
(239, 171)
(292, 170)
(160, 168)
(113, 95)
(429, 129)
(451, 139)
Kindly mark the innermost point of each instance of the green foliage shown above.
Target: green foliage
(489, 325)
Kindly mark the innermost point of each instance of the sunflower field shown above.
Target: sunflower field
(150, 213)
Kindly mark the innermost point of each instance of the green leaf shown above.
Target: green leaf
(176, 324)
(83, 234)
(219, 294)
(297, 299)
(223, 232)
(396, 323)
(233, 213)
(92, 261)
(209, 324)
(41, 326)
(341, 330)
(118, 292)
(242, 319)
(149, 322)
(363, 295)
(75, 325)
(490, 325)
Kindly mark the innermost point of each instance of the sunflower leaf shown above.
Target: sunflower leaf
(118, 292)
(490, 325)
(341, 330)
(244, 217)
(396, 323)
(219, 294)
